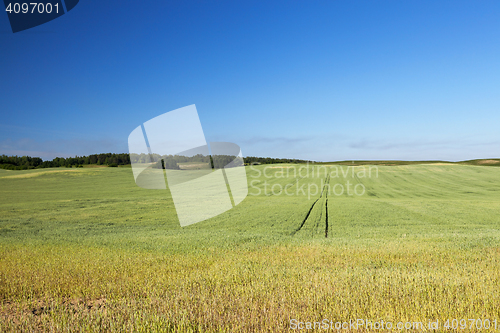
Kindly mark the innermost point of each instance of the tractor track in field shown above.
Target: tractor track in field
(327, 181)
(319, 220)
(305, 218)
(326, 216)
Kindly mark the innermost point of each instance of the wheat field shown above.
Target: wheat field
(87, 250)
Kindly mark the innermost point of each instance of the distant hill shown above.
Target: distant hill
(481, 162)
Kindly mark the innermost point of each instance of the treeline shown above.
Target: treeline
(173, 161)
(168, 161)
(20, 163)
(27, 162)
(110, 159)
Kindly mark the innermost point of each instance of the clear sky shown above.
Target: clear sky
(320, 80)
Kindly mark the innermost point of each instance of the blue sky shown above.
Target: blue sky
(320, 80)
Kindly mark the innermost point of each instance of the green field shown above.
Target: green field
(87, 250)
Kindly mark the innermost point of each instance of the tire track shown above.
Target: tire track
(316, 227)
(312, 206)
(326, 216)
(305, 218)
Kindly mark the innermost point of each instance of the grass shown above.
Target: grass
(87, 250)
